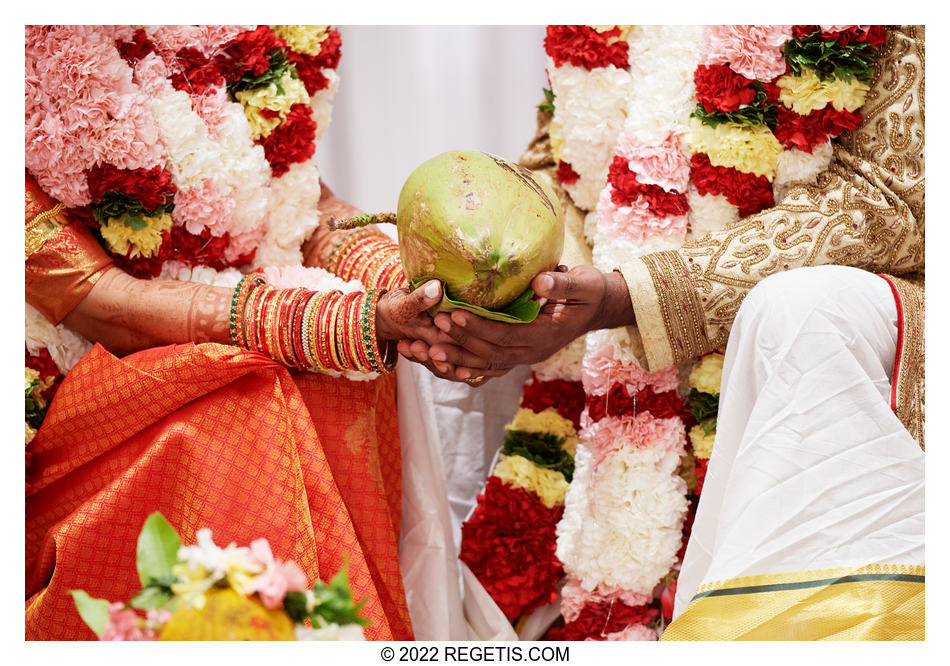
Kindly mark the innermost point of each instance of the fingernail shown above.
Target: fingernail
(443, 323)
(432, 289)
(545, 283)
(459, 318)
(463, 373)
(438, 356)
(442, 367)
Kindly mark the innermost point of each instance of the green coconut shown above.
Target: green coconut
(483, 226)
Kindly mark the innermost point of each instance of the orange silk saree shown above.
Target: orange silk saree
(212, 436)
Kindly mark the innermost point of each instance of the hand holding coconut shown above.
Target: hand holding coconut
(580, 300)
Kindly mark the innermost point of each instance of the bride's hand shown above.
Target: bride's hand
(402, 316)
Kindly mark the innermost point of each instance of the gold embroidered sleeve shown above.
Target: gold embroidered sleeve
(866, 210)
(63, 260)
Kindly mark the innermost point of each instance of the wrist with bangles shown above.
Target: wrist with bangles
(307, 330)
(369, 256)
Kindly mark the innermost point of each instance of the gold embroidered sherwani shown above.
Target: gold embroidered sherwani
(866, 211)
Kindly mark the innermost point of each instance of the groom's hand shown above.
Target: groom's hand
(580, 300)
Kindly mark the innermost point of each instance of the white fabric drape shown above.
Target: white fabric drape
(810, 469)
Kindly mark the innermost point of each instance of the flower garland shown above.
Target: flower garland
(174, 133)
(181, 146)
(205, 592)
(659, 134)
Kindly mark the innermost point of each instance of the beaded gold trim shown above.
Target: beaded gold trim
(43, 227)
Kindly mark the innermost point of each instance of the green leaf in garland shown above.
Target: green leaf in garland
(831, 59)
(279, 65)
(541, 448)
(749, 115)
(134, 221)
(295, 603)
(703, 405)
(157, 550)
(113, 205)
(548, 105)
(152, 597)
(709, 425)
(334, 602)
(94, 612)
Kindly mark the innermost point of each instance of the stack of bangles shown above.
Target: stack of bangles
(308, 330)
(369, 256)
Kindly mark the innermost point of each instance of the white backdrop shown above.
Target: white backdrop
(406, 94)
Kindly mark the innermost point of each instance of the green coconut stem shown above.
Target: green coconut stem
(361, 221)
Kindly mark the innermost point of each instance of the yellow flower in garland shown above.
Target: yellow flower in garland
(31, 376)
(123, 239)
(702, 443)
(622, 37)
(548, 421)
(557, 141)
(277, 104)
(307, 39)
(806, 93)
(548, 484)
(30, 432)
(706, 376)
(748, 149)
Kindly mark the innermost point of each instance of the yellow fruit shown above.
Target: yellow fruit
(228, 616)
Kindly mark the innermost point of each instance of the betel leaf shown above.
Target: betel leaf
(522, 310)
(157, 550)
(94, 612)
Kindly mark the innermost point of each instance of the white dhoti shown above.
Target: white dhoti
(811, 520)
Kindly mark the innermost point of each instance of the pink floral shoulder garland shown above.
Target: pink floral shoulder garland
(188, 150)
(660, 133)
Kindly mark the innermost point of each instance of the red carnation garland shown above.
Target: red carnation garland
(718, 88)
(583, 46)
(748, 192)
(875, 35)
(566, 397)
(509, 544)
(197, 74)
(566, 174)
(248, 53)
(806, 132)
(292, 141)
(596, 621)
(150, 187)
(138, 48)
(309, 67)
(618, 402)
